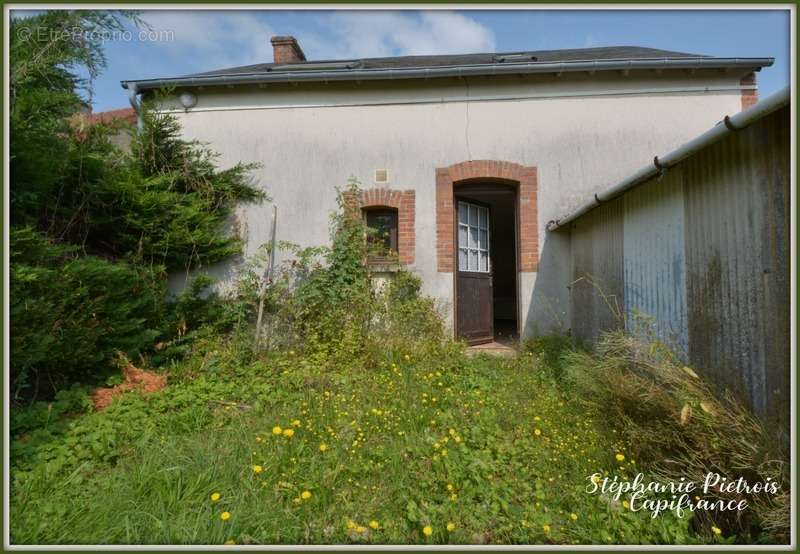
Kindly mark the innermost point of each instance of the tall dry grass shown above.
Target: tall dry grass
(679, 427)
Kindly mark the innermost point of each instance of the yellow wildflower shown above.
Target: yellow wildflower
(215, 497)
(374, 524)
(451, 526)
(277, 430)
(573, 516)
(323, 447)
(305, 495)
(620, 457)
(288, 433)
(257, 469)
(230, 541)
(626, 504)
(225, 516)
(296, 423)
(716, 530)
(546, 528)
(537, 432)
(427, 530)
(407, 357)
(450, 487)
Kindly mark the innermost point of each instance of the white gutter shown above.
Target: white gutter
(728, 125)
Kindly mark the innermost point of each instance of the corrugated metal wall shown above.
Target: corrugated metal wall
(703, 251)
(597, 288)
(654, 261)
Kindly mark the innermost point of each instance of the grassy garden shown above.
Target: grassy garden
(409, 447)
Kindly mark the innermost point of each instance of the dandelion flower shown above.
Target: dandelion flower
(288, 433)
(230, 541)
(215, 496)
(323, 447)
(225, 516)
(546, 528)
(257, 469)
(296, 423)
(305, 495)
(626, 504)
(427, 530)
(277, 430)
(573, 516)
(537, 418)
(620, 457)
(716, 530)
(451, 526)
(407, 357)
(374, 524)
(537, 432)
(450, 487)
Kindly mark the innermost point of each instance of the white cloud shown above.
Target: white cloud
(383, 33)
(206, 40)
(213, 39)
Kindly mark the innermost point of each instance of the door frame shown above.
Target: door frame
(489, 183)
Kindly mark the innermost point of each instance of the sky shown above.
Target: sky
(184, 42)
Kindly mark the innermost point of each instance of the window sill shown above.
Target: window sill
(384, 265)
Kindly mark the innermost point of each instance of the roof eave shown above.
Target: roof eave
(451, 71)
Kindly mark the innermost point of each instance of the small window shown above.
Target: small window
(383, 222)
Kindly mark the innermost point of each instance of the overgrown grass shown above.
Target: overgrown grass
(387, 446)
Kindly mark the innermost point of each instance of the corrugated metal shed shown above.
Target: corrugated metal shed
(597, 288)
(737, 250)
(704, 251)
(654, 261)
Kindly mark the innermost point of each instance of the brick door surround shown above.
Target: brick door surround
(501, 172)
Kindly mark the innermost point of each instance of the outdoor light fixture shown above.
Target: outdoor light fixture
(188, 99)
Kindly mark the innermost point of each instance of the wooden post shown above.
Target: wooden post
(266, 280)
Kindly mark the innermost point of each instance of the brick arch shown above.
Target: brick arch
(525, 178)
(404, 202)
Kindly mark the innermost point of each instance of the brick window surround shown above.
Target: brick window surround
(404, 202)
(523, 177)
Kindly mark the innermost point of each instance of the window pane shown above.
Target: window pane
(462, 260)
(462, 236)
(484, 261)
(473, 215)
(484, 239)
(462, 213)
(384, 230)
(473, 237)
(473, 260)
(484, 218)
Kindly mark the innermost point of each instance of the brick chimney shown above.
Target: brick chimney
(286, 50)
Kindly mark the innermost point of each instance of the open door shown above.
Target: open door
(474, 295)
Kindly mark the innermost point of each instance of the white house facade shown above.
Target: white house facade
(474, 154)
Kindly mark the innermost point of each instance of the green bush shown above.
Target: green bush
(71, 314)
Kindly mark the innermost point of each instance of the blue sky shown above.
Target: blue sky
(205, 40)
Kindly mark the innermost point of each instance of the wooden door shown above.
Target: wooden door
(474, 298)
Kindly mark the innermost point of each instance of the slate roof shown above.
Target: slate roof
(446, 60)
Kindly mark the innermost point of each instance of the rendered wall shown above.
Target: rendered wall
(581, 132)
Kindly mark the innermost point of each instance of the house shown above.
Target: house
(463, 159)
(122, 119)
